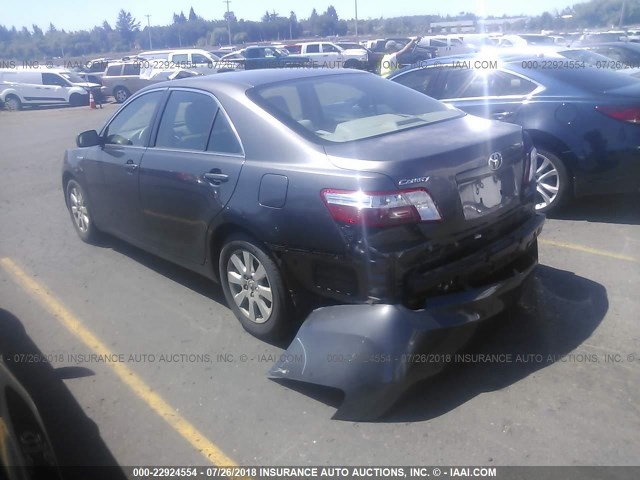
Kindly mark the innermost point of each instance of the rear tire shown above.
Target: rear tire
(13, 103)
(254, 288)
(552, 181)
(121, 94)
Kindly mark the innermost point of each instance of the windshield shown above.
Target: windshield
(72, 77)
(538, 40)
(343, 108)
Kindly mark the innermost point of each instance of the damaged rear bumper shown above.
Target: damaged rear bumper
(373, 353)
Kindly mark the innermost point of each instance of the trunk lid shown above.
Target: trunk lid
(451, 160)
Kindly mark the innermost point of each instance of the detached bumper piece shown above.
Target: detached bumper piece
(374, 353)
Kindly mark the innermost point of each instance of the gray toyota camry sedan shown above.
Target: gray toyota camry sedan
(325, 188)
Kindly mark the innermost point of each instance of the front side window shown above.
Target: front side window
(327, 47)
(54, 79)
(347, 107)
(186, 121)
(132, 125)
(198, 58)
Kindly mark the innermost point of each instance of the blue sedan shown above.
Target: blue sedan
(583, 120)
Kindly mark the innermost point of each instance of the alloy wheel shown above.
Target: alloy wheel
(547, 182)
(250, 286)
(79, 209)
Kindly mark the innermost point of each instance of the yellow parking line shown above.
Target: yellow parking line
(593, 251)
(139, 387)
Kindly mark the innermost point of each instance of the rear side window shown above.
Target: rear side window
(496, 84)
(180, 58)
(114, 70)
(313, 48)
(186, 121)
(418, 80)
(131, 69)
(223, 139)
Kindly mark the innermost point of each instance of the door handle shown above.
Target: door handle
(130, 165)
(500, 115)
(216, 178)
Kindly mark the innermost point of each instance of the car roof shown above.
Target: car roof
(243, 80)
(631, 45)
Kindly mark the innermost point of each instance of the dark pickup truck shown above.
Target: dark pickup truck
(256, 57)
(417, 54)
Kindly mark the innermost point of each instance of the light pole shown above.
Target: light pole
(622, 13)
(356, 19)
(149, 28)
(228, 19)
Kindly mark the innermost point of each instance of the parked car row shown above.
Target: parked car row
(43, 86)
(582, 121)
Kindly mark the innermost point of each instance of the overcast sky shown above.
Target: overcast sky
(78, 14)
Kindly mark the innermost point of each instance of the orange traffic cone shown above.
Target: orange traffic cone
(92, 102)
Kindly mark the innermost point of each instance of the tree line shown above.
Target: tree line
(127, 33)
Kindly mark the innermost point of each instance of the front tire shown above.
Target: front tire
(552, 181)
(352, 63)
(254, 288)
(77, 203)
(12, 103)
(76, 100)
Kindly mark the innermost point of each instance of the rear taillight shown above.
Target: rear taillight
(530, 166)
(380, 209)
(621, 112)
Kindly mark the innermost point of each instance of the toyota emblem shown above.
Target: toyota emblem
(495, 161)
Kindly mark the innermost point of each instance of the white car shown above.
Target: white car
(194, 59)
(329, 55)
(43, 86)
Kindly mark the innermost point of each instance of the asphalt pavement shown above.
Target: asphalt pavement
(189, 386)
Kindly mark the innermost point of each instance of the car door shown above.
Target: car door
(332, 56)
(131, 77)
(494, 94)
(54, 88)
(312, 50)
(111, 171)
(202, 64)
(188, 175)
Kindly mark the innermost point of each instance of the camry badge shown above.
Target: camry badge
(495, 161)
(410, 181)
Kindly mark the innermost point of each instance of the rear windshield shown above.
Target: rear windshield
(596, 80)
(347, 107)
(538, 39)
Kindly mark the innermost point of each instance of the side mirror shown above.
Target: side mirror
(90, 138)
